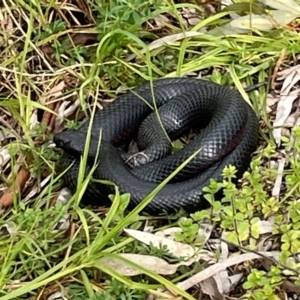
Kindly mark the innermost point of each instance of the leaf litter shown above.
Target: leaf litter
(215, 279)
(283, 12)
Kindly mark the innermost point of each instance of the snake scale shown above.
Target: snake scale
(229, 137)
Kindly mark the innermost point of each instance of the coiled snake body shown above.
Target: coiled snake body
(229, 138)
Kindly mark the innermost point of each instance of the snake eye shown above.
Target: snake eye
(61, 140)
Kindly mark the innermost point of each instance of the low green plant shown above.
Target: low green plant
(261, 285)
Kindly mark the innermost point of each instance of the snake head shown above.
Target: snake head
(62, 140)
(71, 141)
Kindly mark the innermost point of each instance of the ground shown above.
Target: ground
(60, 59)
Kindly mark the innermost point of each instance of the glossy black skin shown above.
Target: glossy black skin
(230, 137)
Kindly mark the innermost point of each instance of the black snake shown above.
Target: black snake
(230, 137)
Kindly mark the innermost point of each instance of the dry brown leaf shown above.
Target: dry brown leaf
(291, 287)
(11, 227)
(283, 5)
(284, 117)
(171, 39)
(220, 283)
(166, 40)
(7, 198)
(191, 16)
(225, 3)
(4, 158)
(59, 294)
(218, 267)
(152, 263)
(278, 182)
(224, 248)
(284, 73)
(64, 111)
(161, 20)
(64, 196)
(47, 116)
(266, 226)
(265, 22)
(211, 286)
(290, 82)
(37, 188)
(287, 97)
(53, 93)
(271, 100)
(235, 280)
(168, 232)
(284, 108)
(9, 131)
(175, 248)
(293, 120)
(33, 119)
